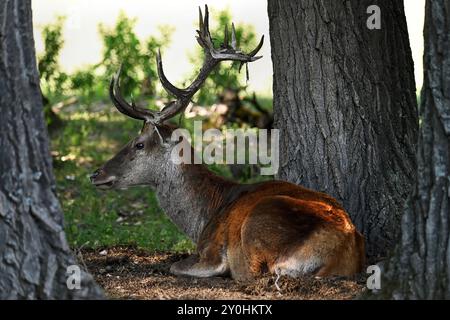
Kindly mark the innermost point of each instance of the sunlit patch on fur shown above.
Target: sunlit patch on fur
(294, 266)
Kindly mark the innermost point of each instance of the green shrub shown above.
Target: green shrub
(53, 80)
(121, 46)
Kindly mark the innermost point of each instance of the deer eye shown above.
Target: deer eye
(139, 146)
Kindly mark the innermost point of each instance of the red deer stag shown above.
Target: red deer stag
(242, 230)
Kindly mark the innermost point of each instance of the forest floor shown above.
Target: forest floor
(130, 273)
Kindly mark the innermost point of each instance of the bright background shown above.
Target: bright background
(83, 44)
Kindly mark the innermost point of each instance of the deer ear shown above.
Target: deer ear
(143, 126)
(164, 142)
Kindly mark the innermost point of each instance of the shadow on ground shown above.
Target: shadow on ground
(130, 273)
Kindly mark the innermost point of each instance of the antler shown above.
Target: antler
(213, 56)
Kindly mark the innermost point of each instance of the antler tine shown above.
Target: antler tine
(172, 109)
(206, 21)
(258, 47)
(233, 37)
(200, 19)
(204, 37)
(226, 39)
(253, 53)
(169, 87)
(122, 105)
(226, 52)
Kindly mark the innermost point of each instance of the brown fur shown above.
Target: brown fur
(275, 220)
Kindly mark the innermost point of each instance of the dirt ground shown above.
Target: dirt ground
(129, 273)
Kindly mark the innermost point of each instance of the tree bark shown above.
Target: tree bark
(34, 253)
(344, 100)
(420, 266)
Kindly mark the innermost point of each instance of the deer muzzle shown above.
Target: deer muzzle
(101, 180)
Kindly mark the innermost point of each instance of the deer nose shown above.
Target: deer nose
(96, 174)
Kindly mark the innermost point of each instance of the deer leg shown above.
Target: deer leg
(193, 266)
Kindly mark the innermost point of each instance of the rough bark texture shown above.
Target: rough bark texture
(34, 253)
(344, 99)
(420, 267)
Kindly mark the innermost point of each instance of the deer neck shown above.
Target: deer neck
(191, 195)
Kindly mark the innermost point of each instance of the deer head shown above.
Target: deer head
(146, 158)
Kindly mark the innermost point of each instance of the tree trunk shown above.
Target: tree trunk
(34, 254)
(344, 99)
(420, 267)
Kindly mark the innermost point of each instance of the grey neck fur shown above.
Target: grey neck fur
(189, 209)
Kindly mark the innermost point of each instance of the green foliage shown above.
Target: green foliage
(226, 75)
(83, 82)
(53, 80)
(122, 46)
